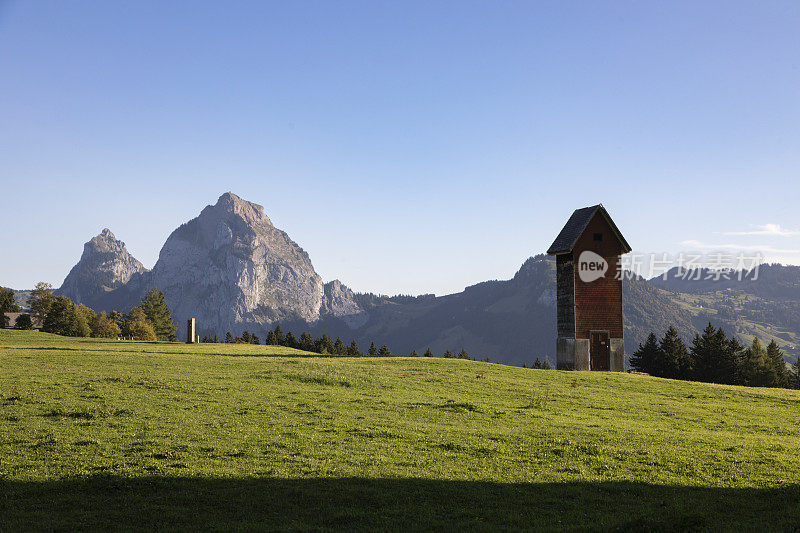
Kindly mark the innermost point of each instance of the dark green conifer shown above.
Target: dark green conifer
(645, 358)
(158, 314)
(353, 349)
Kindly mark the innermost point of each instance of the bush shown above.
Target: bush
(141, 330)
(105, 328)
(23, 322)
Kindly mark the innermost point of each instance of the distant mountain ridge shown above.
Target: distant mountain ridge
(233, 270)
(764, 302)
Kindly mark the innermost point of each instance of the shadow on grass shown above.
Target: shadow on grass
(111, 502)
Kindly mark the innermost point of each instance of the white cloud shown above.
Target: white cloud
(766, 229)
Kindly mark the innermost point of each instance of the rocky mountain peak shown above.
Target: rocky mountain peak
(231, 266)
(104, 242)
(104, 265)
(250, 212)
(340, 302)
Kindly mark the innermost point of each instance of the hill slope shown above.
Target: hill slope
(147, 435)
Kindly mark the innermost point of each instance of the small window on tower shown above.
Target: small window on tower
(598, 236)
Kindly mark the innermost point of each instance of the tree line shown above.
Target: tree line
(151, 320)
(323, 345)
(715, 357)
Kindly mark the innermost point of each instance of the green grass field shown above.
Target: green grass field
(127, 435)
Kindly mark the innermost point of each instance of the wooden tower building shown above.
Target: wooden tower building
(589, 292)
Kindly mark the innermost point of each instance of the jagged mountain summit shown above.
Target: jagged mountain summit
(230, 265)
(232, 269)
(104, 266)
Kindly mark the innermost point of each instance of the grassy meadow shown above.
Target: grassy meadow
(101, 434)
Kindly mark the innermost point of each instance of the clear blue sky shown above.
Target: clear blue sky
(409, 147)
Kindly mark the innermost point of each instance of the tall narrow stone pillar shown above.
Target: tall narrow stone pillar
(190, 333)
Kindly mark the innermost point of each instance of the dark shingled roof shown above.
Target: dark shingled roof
(575, 226)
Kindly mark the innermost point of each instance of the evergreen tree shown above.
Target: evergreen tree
(463, 354)
(159, 315)
(307, 342)
(448, 354)
(715, 357)
(537, 364)
(280, 340)
(290, 341)
(40, 300)
(428, 353)
(413, 354)
(339, 347)
(215, 337)
(646, 357)
(229, 338)
(384, 351)
(775, 356)
(673, 357)
(246, 337)
(353, 349)
(756, 370)
(272, 340)
(254, 339)
(372, 349)
(324, 345)
(545, 364)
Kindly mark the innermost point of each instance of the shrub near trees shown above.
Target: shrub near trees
(539, 364)
(713, 357)
(23, 322)
(104, 328)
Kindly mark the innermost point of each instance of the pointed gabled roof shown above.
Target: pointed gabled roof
(575, 227)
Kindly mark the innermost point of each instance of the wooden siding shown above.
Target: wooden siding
(598, 304)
